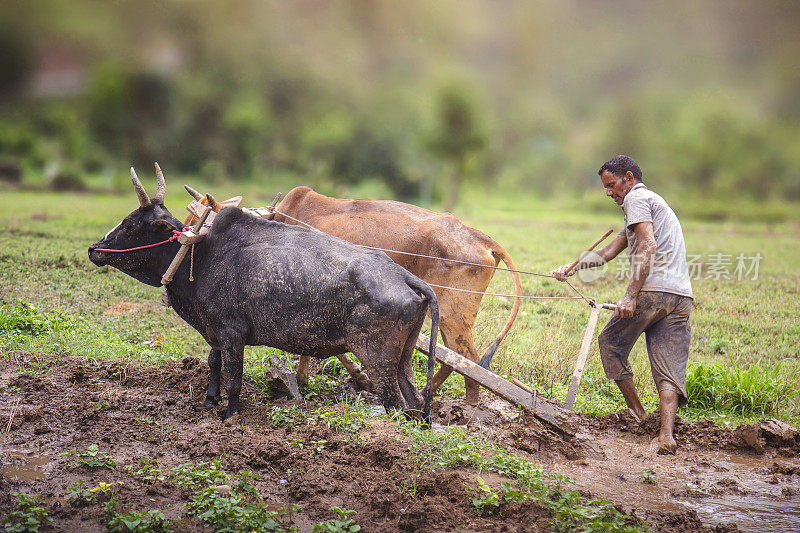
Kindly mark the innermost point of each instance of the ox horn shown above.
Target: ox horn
(162, 185)
(197, 196)
(144, 200)
(211, 201)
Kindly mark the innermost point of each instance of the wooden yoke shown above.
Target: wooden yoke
(196, 208)
(186, 239)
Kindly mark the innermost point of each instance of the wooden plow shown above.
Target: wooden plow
(516, 392)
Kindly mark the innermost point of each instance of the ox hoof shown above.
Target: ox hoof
(363, 382)
(211, 401)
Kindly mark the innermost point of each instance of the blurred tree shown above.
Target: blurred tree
(366, 155)
(459, 134)
(247, 124)
(16, 62)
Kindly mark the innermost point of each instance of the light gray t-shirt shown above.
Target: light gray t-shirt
(669, 272)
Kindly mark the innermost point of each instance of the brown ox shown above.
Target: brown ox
(408, 228)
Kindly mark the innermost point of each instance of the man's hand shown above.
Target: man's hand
(625, 307)
(560, 273)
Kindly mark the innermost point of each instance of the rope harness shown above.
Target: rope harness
(580, 296)
(173, 238)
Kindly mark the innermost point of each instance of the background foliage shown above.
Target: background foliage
(414, 96)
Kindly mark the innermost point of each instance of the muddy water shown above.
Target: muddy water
(752, 513)
(21, 465)
(721, 488)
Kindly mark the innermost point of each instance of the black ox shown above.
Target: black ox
(265, 283)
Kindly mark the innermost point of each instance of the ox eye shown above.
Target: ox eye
(112, 230)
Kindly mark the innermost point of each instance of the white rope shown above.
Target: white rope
(507, 295)
(579, 297)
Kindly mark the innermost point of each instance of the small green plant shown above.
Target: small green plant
(233, 512)
(101, 405)
(78, 495)
(343, 524)
(489, 500)
(149, 521)
(91, 458)
(346, 417)
(286, 416)
(29, 516)
(198, 476)
(147, 471)
(649, 477)
(321, 388)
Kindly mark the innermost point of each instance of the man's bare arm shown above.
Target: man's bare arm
(601, 257)
(640, 267)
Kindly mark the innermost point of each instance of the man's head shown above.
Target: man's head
(619, 175)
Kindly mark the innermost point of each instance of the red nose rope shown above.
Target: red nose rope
(175, 235)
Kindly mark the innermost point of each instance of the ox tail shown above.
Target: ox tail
(433, 303)
(501, 255)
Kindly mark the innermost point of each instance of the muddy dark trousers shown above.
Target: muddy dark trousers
(664, 319)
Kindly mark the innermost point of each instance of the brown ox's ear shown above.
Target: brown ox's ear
(162, 185)
(144, 200)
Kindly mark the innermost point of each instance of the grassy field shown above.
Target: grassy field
(749, 327)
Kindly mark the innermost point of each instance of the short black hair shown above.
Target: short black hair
(619, 165)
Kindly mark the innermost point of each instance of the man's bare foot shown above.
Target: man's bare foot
(666, 445)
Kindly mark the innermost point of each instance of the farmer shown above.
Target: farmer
(658, 300)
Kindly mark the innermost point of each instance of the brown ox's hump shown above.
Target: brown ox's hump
(392, 225)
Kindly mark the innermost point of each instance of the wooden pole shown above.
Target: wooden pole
(524, 396)
(580, 364)
(592, 247)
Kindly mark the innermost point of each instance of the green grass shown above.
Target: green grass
(55, 302)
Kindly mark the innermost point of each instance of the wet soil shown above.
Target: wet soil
(718, 479)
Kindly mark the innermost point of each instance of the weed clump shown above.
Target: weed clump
(751, 391)
(30, 516)
(25, 319)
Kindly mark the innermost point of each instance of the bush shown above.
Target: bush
(10, 170)
(67, 179)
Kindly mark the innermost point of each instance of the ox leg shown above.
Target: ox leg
(361, 379)
(302, 371)
(233, 359)
(405, 373)
(215, 365)
(381, 357)
(458, 337)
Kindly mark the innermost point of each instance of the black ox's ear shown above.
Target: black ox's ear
(162, 225)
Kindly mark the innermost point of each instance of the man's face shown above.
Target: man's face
(617, 186)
